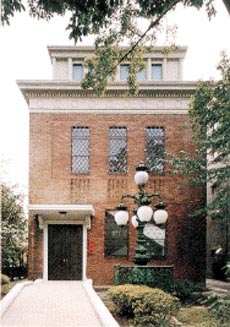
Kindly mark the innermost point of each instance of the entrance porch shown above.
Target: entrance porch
(64, 239)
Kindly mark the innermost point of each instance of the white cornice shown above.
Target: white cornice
(67, 210)
(83, 51)
(67, 89)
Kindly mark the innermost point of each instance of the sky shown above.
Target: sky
(24, 56)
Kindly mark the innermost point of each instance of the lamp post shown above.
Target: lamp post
(143, 213)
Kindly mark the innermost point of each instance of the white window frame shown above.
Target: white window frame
(160, 63)
(83, 70)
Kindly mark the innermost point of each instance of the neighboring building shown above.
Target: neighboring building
(83, 153)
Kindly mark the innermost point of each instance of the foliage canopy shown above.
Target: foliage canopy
(114, 22)
(210, 121)
(14, 228)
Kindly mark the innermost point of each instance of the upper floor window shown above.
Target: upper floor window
(116, 238)
(80, 150)
(124, 73)
(77, 72)
(142, 75)
(155, 149)
(157, 72)
(117, 150)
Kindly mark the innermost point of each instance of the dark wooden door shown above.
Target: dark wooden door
(65, 252)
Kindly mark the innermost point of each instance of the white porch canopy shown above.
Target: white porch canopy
(62, 213)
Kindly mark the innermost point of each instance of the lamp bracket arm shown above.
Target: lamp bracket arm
(130, 196)
(153, 195)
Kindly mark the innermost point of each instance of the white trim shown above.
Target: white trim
(105, 316)
(110, 106)
(61, 207)
(45, 246)
(54, 63)
(13, 293)
(40, 221)
(164, 69)
(119, 88)
(49, 214)
(70, 69)
(111, 112)
(45, 251)
(84, 254)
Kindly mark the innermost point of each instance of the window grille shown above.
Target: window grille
(116, 237)
(155, 148)
(117, 150)
(157, 73)
(80, 150)
(77, 72)
(155, 237)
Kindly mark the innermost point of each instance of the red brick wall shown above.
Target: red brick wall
(51, 182)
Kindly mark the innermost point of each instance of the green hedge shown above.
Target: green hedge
(145, 305)
(153, 276)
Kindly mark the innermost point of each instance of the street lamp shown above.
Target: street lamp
(143, 213)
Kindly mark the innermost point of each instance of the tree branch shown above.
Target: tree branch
(227, 5)
(151, 26)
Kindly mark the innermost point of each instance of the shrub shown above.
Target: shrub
(125, 295)
(156, 307)
(219, 309)
(5, 279)
(147, 306)
(5, 289)
(184, 289)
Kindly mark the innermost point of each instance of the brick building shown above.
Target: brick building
(83, 153)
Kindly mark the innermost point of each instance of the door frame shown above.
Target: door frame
(45, 245)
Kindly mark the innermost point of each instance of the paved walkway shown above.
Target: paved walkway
(61, 303)
(218, 285)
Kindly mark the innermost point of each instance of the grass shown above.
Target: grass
(194, 316)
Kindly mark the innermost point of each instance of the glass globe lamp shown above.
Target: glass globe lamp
(121, 216)
(145, 213)
(141, 177)
(160, 216)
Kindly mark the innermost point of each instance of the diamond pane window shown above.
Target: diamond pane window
(77, 72)
(117, 150)
(157, 74)
(116, 238)
(155, 237)
(155, 148)
(80, 150)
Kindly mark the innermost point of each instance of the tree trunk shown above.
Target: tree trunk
(227, 5)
